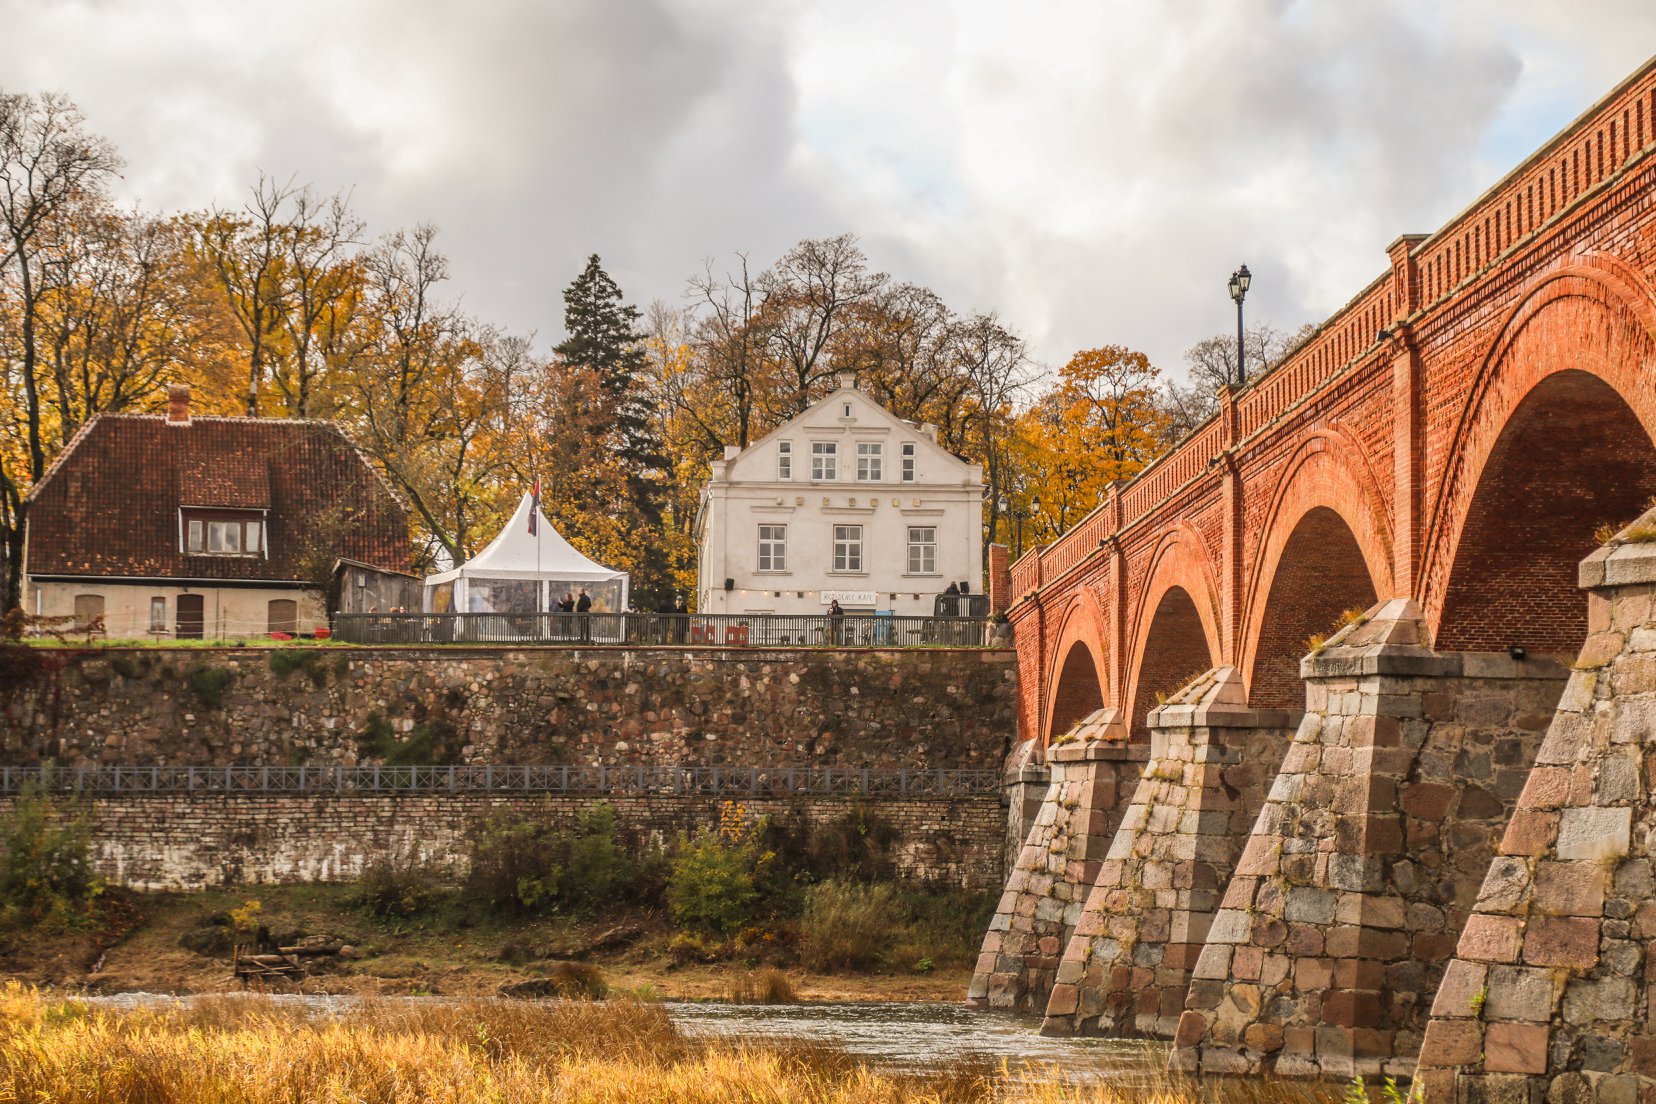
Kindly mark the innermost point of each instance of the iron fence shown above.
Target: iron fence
(699, 629)
(746, 782)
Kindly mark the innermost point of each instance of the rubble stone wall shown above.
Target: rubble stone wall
(930, 707)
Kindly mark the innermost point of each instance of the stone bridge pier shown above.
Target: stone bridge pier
(1552, 989)
(1366, 857)
(1126, 967)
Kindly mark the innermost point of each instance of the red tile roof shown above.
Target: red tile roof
(109, 505)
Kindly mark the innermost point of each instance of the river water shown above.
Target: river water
(925, 1036)
(888, 1035)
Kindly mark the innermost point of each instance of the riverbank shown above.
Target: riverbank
(255, 1049)
(183, 943)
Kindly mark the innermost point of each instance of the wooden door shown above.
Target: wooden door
(191, 619)
(284, 616)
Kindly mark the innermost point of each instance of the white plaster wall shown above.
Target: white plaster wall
(746, 492)
(228, 613)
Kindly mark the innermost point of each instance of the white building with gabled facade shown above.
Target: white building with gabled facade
(846, 501)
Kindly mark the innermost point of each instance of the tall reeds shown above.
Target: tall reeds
(253, 1050)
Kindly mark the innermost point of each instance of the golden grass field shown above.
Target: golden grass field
(251, 1050)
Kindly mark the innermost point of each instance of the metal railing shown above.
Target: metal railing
(647, 629)
(862, 782)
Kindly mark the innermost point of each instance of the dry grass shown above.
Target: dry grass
(768, 986)
(252, 1050)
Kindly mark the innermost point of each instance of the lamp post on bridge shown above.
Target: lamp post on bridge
(1007, 510)
(1239, 281)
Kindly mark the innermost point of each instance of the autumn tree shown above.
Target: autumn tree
(1100, 423)
(49, 165)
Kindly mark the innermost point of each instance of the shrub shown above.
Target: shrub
(847, 925)
(46, 874)
(769, 986)
(434, 743)
(209, 684)
(285, 661)
(530, 866)
(516, 864)
(859, 845)
(578, 979)
(394, 889)
(711, 887)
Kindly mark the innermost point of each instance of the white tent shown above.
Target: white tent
(524, 572)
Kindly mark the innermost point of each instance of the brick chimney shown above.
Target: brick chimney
(178, 404)
(1000, 579)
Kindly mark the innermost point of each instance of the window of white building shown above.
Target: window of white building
(848, 548)
(773, 548)
(908, 463)
(922, 550)
(784, 460)
(824, 460)
(870, 461)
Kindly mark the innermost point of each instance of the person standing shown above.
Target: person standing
(583, 607)
(836, 622)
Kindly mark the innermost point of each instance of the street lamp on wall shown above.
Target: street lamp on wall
(1239, 281)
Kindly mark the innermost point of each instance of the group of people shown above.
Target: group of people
(569, 603)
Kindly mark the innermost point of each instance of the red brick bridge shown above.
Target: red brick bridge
(1283, 693)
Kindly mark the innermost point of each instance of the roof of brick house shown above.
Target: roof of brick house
(112, 504)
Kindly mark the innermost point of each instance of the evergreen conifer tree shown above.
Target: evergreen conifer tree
(603, 338)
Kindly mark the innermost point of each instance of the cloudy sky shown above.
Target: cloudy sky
(1090, 169)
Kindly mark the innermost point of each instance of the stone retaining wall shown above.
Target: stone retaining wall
(937, 708)
(188, 841)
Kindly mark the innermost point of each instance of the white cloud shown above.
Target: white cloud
(1092, 169)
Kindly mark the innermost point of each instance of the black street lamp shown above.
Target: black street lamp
(1239, 281)
(1006, 509)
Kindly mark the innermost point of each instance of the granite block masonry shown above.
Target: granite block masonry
(1363, 864)
(1126, 968)
(1549, 996)
(1091, 772)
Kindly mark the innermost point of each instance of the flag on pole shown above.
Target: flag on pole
(534, 508)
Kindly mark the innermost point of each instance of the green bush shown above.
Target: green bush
(395, 889)
(848, 925)
(285, 661)
(527, 866)
(860, 845)
(46, 874)
(209, 684)
(711, 887)
(433, 743)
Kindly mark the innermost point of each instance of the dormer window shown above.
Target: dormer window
(223, 533)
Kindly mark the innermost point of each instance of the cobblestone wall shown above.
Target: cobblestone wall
(934, 708)
(183, 841)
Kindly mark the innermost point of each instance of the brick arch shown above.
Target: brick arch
(1176, 628)
(1080, 679)
(1589, 330)
(1327, 548)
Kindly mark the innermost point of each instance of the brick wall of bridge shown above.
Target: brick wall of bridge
(1401, 416)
